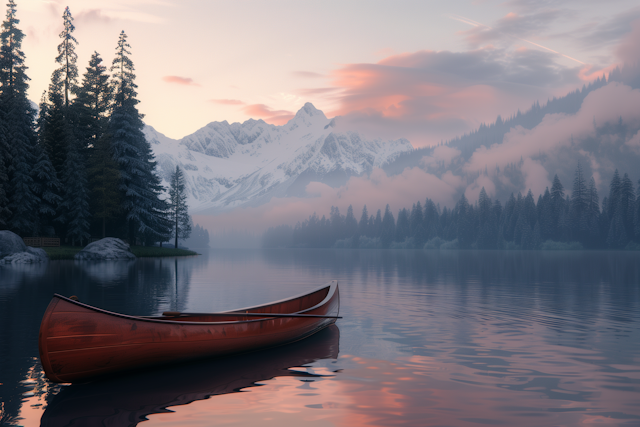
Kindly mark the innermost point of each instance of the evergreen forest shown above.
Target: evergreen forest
(80, 166)
(559, 219)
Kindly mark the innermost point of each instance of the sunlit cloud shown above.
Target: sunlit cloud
(92, 16)
(429, 96)
(308, 74)
(187, 81)
(227, 101)
(276, 117)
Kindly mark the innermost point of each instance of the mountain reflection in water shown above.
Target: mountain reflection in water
(128, 400)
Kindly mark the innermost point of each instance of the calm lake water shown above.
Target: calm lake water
(428, 338)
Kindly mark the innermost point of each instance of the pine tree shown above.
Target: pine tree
(377, 224)
(140, 185)
(74, 209)
(53, 124)
(178, 209)
(431, 220)
(557, 203)
(593, 215)
(465, 223)
(363, 225)
(5, 213)
(387, 228)
(637, 215)
(93, 103)
(488, 224)
(579, 214)
(91, 108)
(350, 223)
(19, 119)
(67, 58)
(416, 220)
(104, 179)
(47, 187)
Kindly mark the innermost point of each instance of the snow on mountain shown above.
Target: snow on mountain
(246, 164)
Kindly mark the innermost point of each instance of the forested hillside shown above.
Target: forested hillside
(601, 150)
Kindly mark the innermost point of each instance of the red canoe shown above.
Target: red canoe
(78, 342)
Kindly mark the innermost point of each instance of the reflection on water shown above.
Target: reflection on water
(452, 338)
(126, 401)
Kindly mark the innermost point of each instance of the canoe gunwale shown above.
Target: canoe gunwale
(333, 285)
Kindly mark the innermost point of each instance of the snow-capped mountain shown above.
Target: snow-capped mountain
(246, 164)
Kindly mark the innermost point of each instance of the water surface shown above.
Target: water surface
(451, 338)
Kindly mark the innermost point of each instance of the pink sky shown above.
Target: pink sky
(417, 70)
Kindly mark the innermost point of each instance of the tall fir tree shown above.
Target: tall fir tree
(93, 102)
(145, 211)
(363, 225)
(179, 211)
(67, 58)
(557, 203)
(387, 228)
(579, 210)
(19, 130)
(418, 231)
(91, 111)
(74, 208)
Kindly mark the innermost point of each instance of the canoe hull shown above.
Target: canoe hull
(78, 342)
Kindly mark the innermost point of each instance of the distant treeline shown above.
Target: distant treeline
(556, 221)
(81, 166)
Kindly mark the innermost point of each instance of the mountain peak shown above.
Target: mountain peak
(307, 116)
(310, 110)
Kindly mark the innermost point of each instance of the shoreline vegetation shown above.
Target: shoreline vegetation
(68, 252)
(558, 221)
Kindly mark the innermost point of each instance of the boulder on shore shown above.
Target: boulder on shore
(14, 251)
(109, 248)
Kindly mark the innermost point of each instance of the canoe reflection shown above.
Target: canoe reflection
(126, 401)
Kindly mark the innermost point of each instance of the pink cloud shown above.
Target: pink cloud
(93, 16)
(227, 101)
(308, 74)
(187, 81)
(430, 96)
(276, 117)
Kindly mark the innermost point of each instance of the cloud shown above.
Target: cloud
(376, 191)
(472, 193)
(308, 74)
(610, 32)
(536, 177)
(511, 26)
(429, 96)
(227, 101)
(92, 16)
(608, 104)
(276, 117)
(187, 81)
(628, 50)
(441, 154)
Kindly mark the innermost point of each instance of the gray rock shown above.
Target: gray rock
(27, 257)
(109, 248)
(14, 251)
(10, 243)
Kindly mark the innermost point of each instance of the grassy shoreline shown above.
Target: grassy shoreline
(68, 252)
